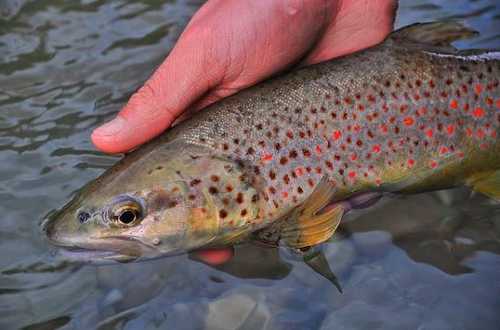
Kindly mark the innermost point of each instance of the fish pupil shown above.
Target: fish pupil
(127, 217)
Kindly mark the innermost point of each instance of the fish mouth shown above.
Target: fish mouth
(98, 250)
(75, 253)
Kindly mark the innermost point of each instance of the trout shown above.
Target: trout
(283, 161)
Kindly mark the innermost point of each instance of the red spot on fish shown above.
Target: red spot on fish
(443, 150)
(336, 135)
(318, 150)
(354, 156)
(454, 104)
(289, 134)
(450, 129)
(376, 148)
(378, 181)
(411, 162)
(408, 121)
(384, 128)
(468, 131)
(433, 164)
(498, 104)
(478, 88)
(480, 133)
(489, 101)
(299, 171)
(352, 174)
(478, 112)
(429, 133)
(267, 157)
(284, 194)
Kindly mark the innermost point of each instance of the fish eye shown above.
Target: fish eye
(83, 216)
(127, 212)
(128, 216)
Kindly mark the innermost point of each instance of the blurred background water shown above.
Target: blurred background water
(429, 261)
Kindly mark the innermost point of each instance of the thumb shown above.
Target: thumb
(179, 81)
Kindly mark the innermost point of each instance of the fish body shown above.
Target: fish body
(406, 116)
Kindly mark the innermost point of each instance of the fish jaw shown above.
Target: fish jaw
(78, 245)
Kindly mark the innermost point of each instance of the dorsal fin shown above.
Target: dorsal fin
(434, 35)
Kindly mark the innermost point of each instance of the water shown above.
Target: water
(423, 262)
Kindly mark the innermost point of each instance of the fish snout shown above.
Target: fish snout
(58, 231)
(48, 227)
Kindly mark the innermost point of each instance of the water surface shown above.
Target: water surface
(429, 261)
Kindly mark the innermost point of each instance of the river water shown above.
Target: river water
(430, 261)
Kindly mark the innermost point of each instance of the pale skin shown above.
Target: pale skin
(231, 45)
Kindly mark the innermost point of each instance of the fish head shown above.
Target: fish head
(156, 204)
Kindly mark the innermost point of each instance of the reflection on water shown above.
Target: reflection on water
(429, 261)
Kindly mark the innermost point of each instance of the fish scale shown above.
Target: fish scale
(285, 159)
(410, 114)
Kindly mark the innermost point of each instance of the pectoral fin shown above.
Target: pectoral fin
(487, 184)
(315, 221)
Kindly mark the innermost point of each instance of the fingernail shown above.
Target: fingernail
(112, 127)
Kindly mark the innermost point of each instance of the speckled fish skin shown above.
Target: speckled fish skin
(390, 118)
(397, 117)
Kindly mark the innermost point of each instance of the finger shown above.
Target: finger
(357, 25)
(214, 257)
(180, 80)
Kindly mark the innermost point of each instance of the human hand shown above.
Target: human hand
(231, 45)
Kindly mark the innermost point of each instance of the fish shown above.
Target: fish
(281, 162)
